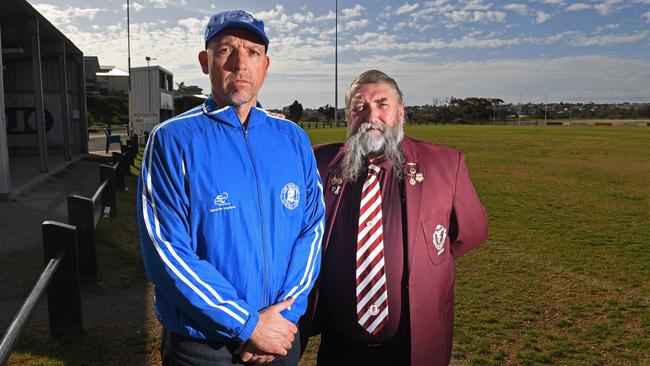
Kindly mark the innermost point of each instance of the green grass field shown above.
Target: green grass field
(563, 280)
(565, 275)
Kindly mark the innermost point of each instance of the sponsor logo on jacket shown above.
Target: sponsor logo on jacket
(221, 203)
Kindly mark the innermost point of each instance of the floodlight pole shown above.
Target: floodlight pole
(128, 41)
(149, 81)
(336, 67)
(519, 114)
(545, 108)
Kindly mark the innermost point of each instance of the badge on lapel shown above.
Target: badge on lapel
(439, 237)
(335, 184)
(413, 175)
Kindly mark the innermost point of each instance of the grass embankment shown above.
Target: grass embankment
(565, 275)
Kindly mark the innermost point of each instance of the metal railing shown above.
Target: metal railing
(60, 279)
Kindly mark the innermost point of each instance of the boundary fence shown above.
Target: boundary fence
(69, 253)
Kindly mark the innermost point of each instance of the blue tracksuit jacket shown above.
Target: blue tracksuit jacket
(230, 218)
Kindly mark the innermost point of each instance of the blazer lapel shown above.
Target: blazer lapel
(331, 196)
(413, 194)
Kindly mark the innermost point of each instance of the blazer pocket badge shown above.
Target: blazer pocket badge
(439, 237)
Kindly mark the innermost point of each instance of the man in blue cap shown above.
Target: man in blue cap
(230, 210)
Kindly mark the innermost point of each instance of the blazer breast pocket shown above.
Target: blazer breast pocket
(436, 237)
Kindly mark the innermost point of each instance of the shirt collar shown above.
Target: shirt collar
(383, 163)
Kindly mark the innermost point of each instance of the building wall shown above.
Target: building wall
(21, 122)
(113, 84)
(20, 111)
(152, 100)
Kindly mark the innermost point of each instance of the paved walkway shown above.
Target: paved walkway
(21, 215)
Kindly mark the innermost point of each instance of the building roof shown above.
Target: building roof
(16, 17)
(113, 71)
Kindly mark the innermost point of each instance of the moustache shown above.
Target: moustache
(365, 126)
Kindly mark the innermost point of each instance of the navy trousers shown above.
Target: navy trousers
(335, 350)
(178, 350)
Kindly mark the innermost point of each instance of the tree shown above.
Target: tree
(295, 111)
(327, 111)
(182, 89)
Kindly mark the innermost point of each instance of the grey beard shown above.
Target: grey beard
(360, 144)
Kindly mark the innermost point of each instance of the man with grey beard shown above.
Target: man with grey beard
(398, 213)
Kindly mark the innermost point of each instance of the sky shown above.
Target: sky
(556, 50)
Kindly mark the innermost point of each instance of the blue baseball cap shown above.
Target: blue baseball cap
(235, 19)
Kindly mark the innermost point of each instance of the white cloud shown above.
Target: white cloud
(302, 49)
(541, 17)
(270, 14)
(521, 9)
(376, 37)
(437, 6)
(607, 39)
(564, 78)
(608, 7)
(63, 16)
(545, 41)
(356, 24)
(475, 5)
(329, 16)
(134, 5)
(552, 2)
(406, 8)
(470, 42)
(609, 26)
(578, 7)
(307, 17)
(194, 24)
(476, 16)
(277, 20)
(161, 4)
(353, 12)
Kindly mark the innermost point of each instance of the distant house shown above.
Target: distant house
(112, 81)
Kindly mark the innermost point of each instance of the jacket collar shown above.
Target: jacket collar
(228, 114)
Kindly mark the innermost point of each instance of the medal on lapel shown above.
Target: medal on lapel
(413, 175)
(335, 184)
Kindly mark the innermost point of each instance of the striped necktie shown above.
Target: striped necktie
(372, 295)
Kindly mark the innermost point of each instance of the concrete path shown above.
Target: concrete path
(21, 215)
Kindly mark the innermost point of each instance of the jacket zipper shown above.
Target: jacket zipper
(261, 207)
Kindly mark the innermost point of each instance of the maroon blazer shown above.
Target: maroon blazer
(445, 219)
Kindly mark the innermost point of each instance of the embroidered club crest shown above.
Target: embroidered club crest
(290, 196)
(439, 237)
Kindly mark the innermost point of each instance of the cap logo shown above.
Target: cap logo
(239, 16)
